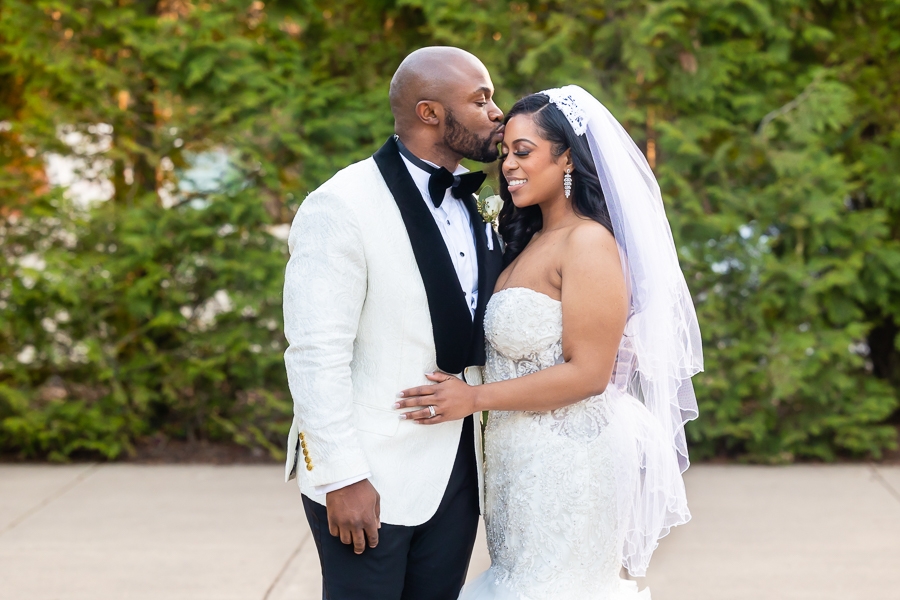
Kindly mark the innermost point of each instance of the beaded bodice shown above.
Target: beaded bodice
(523, 332)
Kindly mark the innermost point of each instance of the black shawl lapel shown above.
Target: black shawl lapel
(451, 321)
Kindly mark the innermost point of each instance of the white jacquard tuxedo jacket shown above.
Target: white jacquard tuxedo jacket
(371, 304)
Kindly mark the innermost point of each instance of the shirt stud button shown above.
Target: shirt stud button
(462, 254)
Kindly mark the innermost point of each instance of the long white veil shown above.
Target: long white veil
(650, 397)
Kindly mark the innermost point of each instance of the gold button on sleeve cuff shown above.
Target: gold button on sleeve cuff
(309, 466)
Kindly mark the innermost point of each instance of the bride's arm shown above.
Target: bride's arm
(594, 303)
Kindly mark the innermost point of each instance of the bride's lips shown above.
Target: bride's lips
(514, 185)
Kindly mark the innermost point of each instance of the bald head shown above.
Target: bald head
(439, 74)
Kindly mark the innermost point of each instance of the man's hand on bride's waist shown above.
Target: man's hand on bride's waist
(448, 399)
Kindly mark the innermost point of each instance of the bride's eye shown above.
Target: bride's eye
(521, 153)
(503, 157)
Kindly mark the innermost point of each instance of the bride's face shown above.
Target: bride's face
(533, 174)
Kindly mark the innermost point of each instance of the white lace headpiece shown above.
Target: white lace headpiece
(650, 397)
(565, 102)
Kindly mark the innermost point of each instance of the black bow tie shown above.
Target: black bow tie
(461, 185)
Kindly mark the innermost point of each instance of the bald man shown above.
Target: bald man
(390, 272)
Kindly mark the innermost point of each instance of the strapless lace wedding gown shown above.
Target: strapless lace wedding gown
(549, 480)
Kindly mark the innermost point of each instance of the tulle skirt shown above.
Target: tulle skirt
(488, 586)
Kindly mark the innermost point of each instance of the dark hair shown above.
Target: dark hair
(518, 225)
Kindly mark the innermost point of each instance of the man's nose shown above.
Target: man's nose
(495, 113)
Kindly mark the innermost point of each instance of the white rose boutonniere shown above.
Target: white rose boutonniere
(489, 205)
(489, 208)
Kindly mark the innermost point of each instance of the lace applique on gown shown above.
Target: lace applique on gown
(550, 487)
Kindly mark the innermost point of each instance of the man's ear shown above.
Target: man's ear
(430, 112)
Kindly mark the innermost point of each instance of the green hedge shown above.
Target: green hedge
(137, 322)
(773, 127)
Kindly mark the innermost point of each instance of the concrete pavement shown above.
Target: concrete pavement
(118, 531)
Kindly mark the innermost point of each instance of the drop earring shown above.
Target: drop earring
(567, 183)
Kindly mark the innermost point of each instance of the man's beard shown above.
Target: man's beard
(467, 144)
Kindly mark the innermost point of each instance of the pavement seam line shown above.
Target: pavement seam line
(884, 482)
(284, 567)
(69, 486)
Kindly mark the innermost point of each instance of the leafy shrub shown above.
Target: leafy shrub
(118, 324)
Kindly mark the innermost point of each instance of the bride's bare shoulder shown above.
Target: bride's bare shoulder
(590, 236)
(590, 261)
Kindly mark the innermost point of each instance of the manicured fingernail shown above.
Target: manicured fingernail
(403, 416)
(400, 395)
(396, 405)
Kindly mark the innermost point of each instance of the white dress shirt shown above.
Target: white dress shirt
(453, 220)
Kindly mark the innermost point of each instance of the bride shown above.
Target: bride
(592, 340)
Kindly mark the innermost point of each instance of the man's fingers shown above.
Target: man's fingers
(359, 540)
(372, 533)
(332, 527)
(346, 538)
(378, 508)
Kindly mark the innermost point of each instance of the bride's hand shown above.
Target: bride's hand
(451, 398)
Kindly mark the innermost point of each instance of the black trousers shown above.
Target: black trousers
(424, 562)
